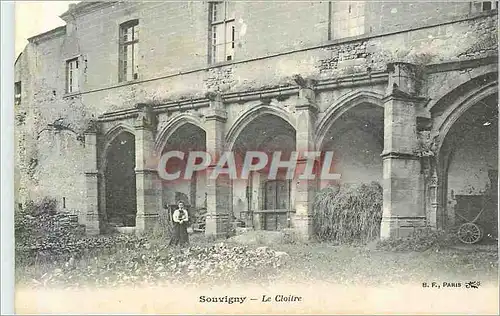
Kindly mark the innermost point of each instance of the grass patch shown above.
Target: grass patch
(119, 259)
(347, 265)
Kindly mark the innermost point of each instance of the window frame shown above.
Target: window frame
(479, 6)
(224, 22)
(483, 6)
(122, 49)
(17, 94)
(75, 88)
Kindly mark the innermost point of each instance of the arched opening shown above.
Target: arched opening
(186, 138)
(357, 140)
(468, 162)
(121, 204)
(263, 201)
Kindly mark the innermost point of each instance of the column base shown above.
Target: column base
(92, 225)
(400, 226)
(432, 216)
(217, 225)
(303, 225)
(146, 223)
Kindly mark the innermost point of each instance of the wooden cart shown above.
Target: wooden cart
(470, 232)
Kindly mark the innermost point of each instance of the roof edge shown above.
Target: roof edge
(58, 31)
(84, 7)
(19, 56)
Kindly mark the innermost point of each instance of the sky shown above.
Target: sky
(35, 17)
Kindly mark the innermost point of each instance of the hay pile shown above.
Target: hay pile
(349, 213)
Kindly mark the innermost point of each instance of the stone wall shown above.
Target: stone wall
(49, 162)
(276, 41)
(392, 16)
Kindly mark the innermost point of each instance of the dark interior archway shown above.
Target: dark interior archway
(187, 138)
(262, 202)
(121, 204)
(469, 167)
(357, 140)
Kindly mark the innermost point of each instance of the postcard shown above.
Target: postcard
(249, 157)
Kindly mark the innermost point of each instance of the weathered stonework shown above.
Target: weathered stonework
(352, 54)
(219, 79)
(287, 71)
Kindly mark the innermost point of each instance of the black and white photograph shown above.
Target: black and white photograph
(254, 157)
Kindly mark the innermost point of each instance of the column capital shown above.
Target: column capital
(307, 95)
(217, 110)
(404, 77)
(146, 118)
(92, 127)
(306, 105)
(398, 95)
(220, 116)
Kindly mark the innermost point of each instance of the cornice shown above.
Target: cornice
(86, 7)
(58, 31)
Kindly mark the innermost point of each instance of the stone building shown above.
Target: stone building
(405, 94)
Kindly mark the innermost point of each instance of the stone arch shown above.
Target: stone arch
(476, 89)
(448, 111)
(118, 187)
(352, 129)
(266, 129)
(344, 104)
(253, 113)
(178, 131)
(110, 136)
(171, 127)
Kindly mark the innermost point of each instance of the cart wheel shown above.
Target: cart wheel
(469, 233)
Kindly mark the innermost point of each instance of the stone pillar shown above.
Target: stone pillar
(430, 185)
(92, 181)
(255, 205)
(146, 174)
(304, 190)
(403, 209)
(256, 191)
(219, 201)
(433, 200)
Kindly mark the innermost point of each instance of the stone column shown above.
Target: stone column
(255, 204)
(146, 174)
(403, 209)
(219, 199)
(92, 181)
(433, 199)
(430, 185)
(256, 191)
(304, 190)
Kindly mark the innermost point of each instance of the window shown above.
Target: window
(72, 75)
(346, 19)
(222, 31)
(17, 92)
(489, 5)
(128, 50)
(478, 6)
